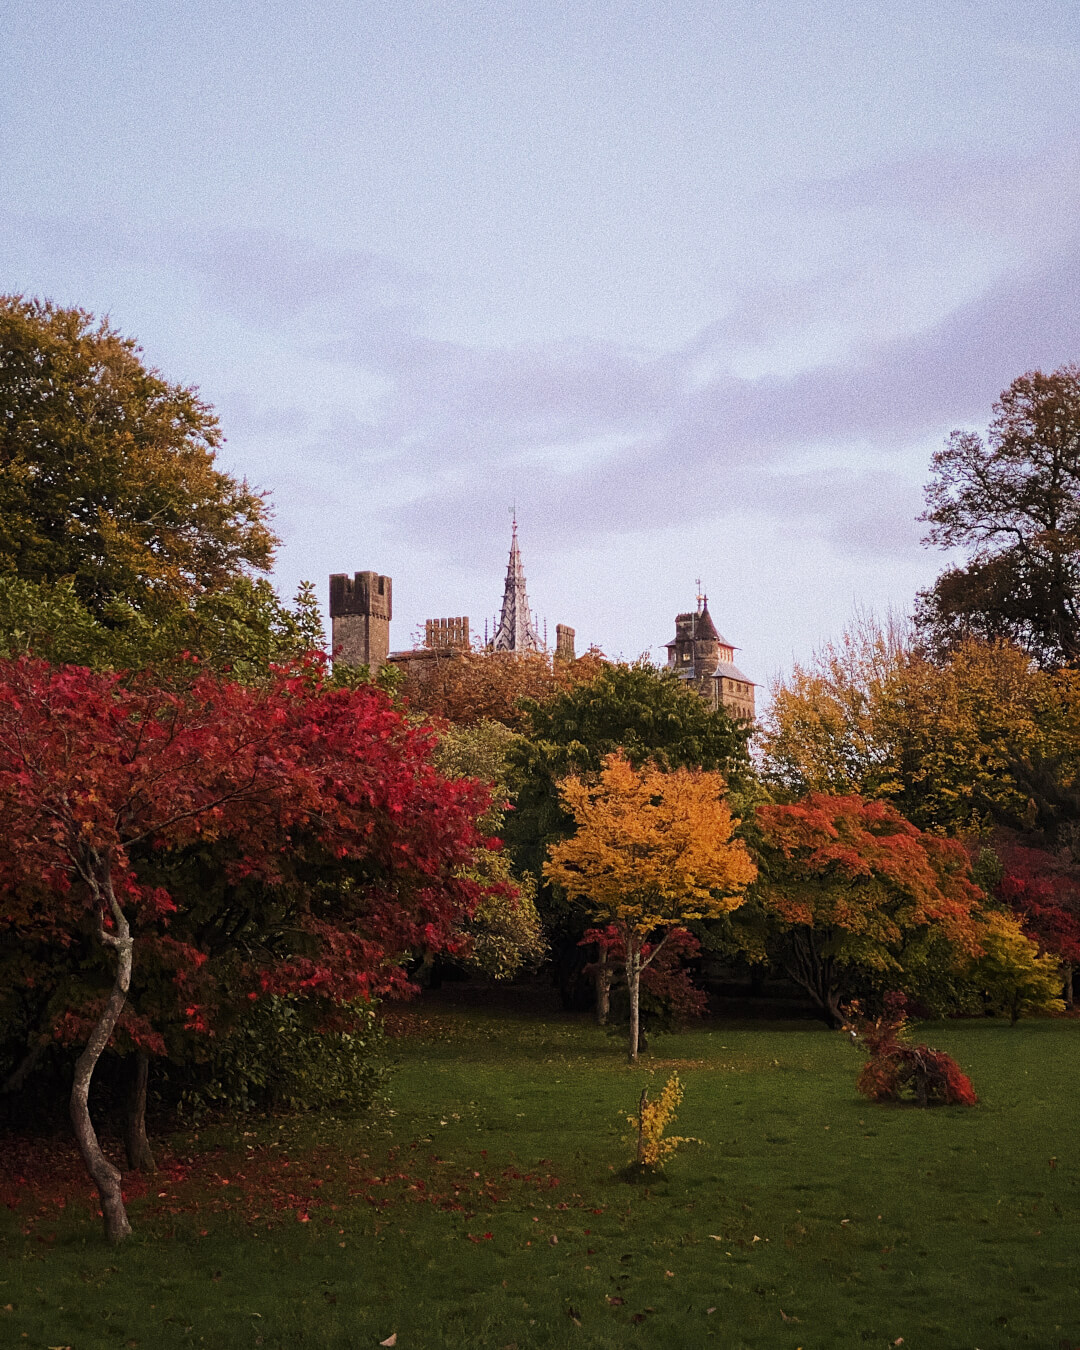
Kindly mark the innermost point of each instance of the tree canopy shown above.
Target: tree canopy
(107, 471)
(1013, 502)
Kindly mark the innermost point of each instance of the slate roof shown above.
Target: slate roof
(731, 672)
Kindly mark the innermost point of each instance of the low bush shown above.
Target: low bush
(896, 1068)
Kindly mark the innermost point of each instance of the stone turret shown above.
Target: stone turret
(705, 660)
(564, 643)
(360, 612)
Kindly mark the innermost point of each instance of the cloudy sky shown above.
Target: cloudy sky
(699, 285)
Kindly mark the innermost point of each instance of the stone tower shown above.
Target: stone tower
(360, 613)
(517, 628)
(705, 660)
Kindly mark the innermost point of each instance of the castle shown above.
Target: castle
(361, 608)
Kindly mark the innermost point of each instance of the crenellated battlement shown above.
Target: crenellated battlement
(447, 634)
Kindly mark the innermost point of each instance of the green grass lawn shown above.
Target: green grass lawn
(487, 1210)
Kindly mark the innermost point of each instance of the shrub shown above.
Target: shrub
(896, 1067)
(651, 1149)
(276, 1057)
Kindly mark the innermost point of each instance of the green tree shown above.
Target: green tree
(107, 470)
(1013, 502)
(504, 934)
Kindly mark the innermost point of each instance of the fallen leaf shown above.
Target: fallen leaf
(786, 1318)
(615, 1300)
(637, 1318)
(717, 1237)
(390, 1340)
(670, 1274)
(710, 1310)
(574, 1316)
(554, 1240)
(899, 1340)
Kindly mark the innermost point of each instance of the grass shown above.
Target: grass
(487, 1210)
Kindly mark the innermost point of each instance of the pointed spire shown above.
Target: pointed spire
(517, 630)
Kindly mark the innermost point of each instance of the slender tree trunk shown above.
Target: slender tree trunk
(643, 1102)
(633, 985)
(104, 1175)
(1067, 975)
(603, 986)
(139, 1156)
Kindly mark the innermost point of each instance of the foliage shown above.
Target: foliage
(1012, 975)
(669, 997)
(845, 883)
(823, 731)
(651, 851)
(651, 717)
(1043, 891)
(467, 687)
(894, 1066)
(337, 849)
(652, 1149)
(952, 743)
(107, 471)
(503, 934)
(274, 1056)
(1013, 501)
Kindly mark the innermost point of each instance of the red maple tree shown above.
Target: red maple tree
(1042, 888)
(326, 795)
(844, 881)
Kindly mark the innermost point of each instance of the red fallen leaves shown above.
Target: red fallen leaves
(264, 1185)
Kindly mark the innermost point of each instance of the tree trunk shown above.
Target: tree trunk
(642, 1103)
(1067, 975)
(104, 1175)
(603, 986)
(139, 1156)
(633, 985)
(813, 973)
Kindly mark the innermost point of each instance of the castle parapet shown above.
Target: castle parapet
(447, 634)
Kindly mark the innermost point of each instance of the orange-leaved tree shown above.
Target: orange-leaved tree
(651, 851)
(846, 882)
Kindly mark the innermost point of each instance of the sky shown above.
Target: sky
(698, 287)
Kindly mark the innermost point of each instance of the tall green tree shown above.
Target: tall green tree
(108, 472)
(1012, 501)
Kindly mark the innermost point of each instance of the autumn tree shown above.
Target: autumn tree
(844, 884)
(322, 804)
(823, 731)
(650, 851)
(108, 472)
(467, 687)
(1013, 502)
(950, 742)
(652, 718)
(1042, 888)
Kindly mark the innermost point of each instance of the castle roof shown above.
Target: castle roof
(704, 629)
(517, 630)
(726, 670)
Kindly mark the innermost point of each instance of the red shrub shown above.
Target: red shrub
(933, 1077)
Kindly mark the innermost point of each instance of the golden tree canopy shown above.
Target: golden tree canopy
(651, 849)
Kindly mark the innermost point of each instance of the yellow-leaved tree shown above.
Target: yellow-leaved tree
(651, 851)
